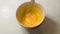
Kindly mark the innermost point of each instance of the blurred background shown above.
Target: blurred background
(9, 23)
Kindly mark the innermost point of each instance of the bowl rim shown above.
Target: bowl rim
(37, 24)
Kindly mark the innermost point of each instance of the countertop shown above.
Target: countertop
(9, 23)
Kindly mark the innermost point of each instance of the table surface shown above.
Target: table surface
(9, 23)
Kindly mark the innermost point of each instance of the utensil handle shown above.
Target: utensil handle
(33, 1)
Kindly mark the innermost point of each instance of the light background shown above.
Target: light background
(9, 23)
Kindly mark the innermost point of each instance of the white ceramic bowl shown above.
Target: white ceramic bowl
(36, 24)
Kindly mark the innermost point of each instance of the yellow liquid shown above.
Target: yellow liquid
(29, 15)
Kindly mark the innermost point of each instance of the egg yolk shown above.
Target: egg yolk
(29, 15)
